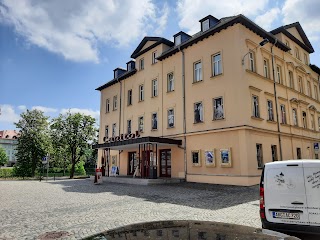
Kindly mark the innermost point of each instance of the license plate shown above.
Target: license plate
(286, 215)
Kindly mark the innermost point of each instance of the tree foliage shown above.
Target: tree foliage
(3, 157)
(33, 142)
(75, 133)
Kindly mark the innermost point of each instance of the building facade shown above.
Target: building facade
(8, 141)
(212, 107)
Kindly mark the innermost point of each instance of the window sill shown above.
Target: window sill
(154, 63)
(198, 122)
(260, 168)
(154, 129)
(114, 110)
(285, 124)
(195, 82)
(141, 101)
(218, 119)
(154, 96)
(271, 121)
(257, 118)
(170, 91)
(171, 127)
(129, 105)
(218, 75)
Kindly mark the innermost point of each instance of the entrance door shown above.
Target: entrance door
(145, 164)
(165, 163)
(132, 162)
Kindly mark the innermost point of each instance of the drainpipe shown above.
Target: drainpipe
(184, 114)
(276, 99)
(120, 109)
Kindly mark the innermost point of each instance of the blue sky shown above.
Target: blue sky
(53, 54)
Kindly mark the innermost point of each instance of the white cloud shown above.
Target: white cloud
(305, 12)
(8, 114)
(22, 107)
(267, 19)
(45, 109)
(90, 112)
(191, 11)
(74, 28)
(162, 20)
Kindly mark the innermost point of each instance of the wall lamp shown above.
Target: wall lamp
(263, 42)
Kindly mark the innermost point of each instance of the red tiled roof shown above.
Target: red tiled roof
(9, 134)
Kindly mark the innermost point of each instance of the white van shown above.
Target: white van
(290, 196)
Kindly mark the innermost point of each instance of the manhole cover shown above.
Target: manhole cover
(53, 235)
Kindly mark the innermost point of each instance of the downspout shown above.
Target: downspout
(120, 109)
(184, 115)
(276, 99)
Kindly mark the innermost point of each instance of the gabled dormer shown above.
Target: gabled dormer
(208, 22)
(180, 37)
(131, 65)
(118, 72)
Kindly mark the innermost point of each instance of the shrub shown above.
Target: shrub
(6, 172)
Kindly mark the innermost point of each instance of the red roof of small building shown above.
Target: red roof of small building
(9, 134)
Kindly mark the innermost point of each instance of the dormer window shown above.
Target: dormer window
(205, 25)
(177, 40)
(129, 67)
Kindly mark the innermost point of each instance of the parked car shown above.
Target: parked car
(290, 196)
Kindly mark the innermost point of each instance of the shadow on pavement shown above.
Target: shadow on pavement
(196, 195)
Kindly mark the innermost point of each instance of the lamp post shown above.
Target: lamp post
(263, 42)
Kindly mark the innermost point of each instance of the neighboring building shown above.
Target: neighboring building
(205, 108)
(8, 141)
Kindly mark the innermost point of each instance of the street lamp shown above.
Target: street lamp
(263, 42)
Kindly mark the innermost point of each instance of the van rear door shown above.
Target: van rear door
(285, 196)
(312, 183)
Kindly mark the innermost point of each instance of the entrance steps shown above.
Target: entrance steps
(141, 181)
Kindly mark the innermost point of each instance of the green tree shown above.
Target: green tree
(3, 157)
(33, 142)
(75, 132)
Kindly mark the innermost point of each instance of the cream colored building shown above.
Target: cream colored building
(212, 107)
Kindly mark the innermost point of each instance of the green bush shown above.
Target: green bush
(6, 172)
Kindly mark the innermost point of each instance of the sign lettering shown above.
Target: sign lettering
(123, 137)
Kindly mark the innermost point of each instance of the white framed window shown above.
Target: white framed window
(177, 40)
(218, 108)
(309, 88)
(255, 106)
(252, 61)
(205, 25)
(197, 71)
(107, 105)
(129, 126)
(295, 117)
(279, 77)
(141, 93)
(316, 96)
(198, 112)
(266, 68)
(171, 118)
(297, 53)
(140, 124)
(283, 114)
(216, 65)
(141, 63)
(259, 155)
(304, 119)
(154, 57)
(274, 153)
(154, 121)
(319, 123)
(129, 66)
(115, 102)
(114, 129)
(130, 97)
(306, 59)
(313, 126)
(300, 84)
(154, 87)
(270, 110)
(291, 82)
(106, 132)
(170, 82)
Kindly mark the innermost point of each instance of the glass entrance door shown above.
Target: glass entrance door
(165, 163)
(132, 162)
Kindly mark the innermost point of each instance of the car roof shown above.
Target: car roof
(304, 162)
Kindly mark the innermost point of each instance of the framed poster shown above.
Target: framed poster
(210, 158)
(225, 157)
(195, 157)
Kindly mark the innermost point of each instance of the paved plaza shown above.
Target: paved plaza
(78, 208)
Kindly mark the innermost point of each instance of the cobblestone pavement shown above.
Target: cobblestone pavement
(29, 209)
